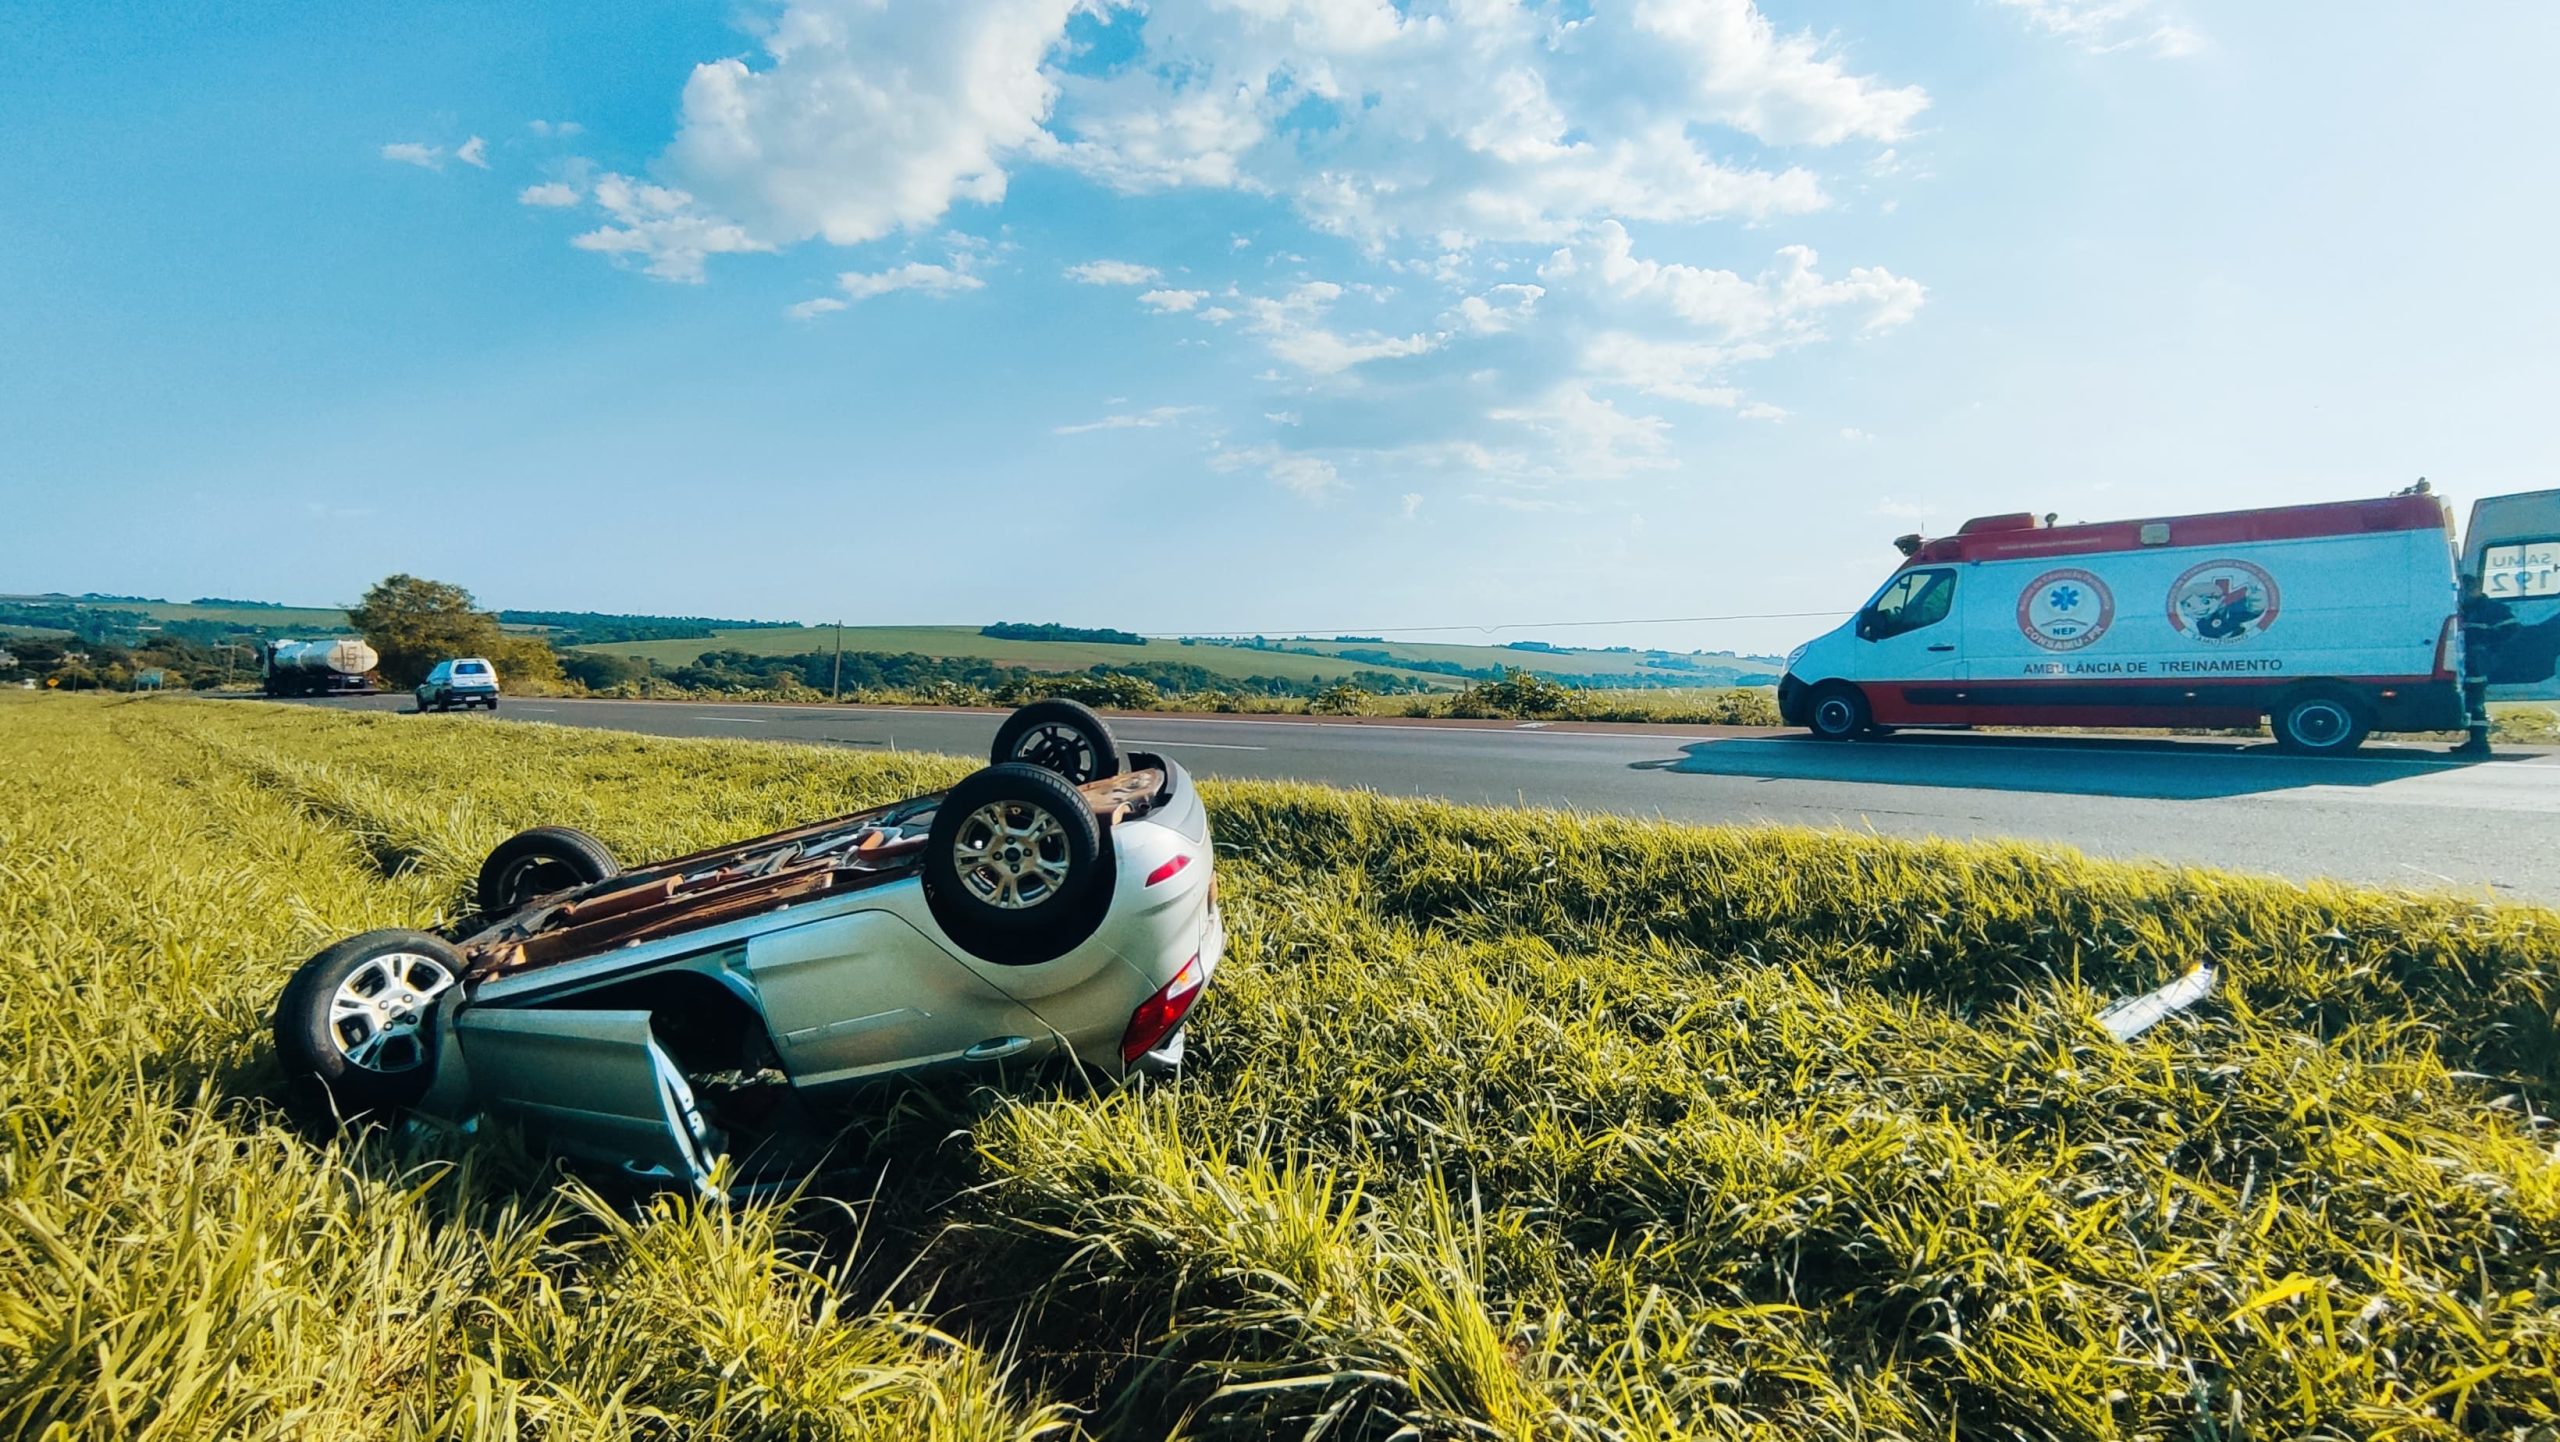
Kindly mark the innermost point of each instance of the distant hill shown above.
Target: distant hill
(1297, 658)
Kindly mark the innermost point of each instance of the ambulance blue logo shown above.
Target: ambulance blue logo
(2065, 610)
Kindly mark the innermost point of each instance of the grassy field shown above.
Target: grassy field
(1229, 661)
(1500, 1125)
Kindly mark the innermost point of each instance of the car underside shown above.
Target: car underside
(1059, 907)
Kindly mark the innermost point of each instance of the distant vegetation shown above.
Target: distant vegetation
(597, 628)
(83, 596)
(414, 623)
(951, 680)
(1691, 671)
(1051, 631)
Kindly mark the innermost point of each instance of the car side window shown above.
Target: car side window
(1914, 600)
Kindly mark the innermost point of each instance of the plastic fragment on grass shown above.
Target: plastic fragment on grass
(2131, 1017)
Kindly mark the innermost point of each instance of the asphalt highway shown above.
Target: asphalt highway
(2396, 815)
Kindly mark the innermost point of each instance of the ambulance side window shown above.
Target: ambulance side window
(1914, 599)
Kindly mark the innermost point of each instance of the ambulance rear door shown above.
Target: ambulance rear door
(2511, 564)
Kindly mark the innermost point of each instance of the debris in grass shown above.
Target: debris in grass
(2131, 1017)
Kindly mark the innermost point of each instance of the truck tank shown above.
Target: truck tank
(310, 668)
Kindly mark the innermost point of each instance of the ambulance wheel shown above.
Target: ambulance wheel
(2321, 721)
(1838, 713)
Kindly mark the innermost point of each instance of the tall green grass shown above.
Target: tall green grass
(1498, 1124)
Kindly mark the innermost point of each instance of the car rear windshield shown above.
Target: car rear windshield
(473, 668)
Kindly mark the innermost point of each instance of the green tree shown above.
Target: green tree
(413, 623)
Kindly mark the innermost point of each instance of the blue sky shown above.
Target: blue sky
(1269, 314)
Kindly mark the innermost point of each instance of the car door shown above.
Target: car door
(593, 1084)
(1911, 644)
(867, 994)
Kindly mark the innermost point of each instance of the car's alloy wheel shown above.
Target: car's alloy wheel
(1013, 865)
(359, 1018)
(1012, 855)
(378, 1014)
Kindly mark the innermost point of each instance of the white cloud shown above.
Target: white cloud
(1147, 420)
(1498, 309)
(1741, 72)
(931, 279)
(410, 152)
(1902, 510)
(561, 129)
(1855, 436)
(1785, 301)
(1465, 123)
(1673, 369)
(1454, 141)
(661, 230)
(550, 194)
(1111, 272)
(1310, 477)
(813, 307)
(1291, 326)
(2104, 26)
(868, 118)
(473, 152)
(1584, 438)
(1412, 505)
(1476, 120)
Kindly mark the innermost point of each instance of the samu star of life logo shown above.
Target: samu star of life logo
(2065, 610)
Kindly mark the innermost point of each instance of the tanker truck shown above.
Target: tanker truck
(317, 668)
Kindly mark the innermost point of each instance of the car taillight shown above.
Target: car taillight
(1170, 869)
(1158, 1015)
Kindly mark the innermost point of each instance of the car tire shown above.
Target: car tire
(1061, 736)
(491, 703)
(1837, 712)
(2321, 721)
(538, 862)
(359, 1018)
(1012, 861)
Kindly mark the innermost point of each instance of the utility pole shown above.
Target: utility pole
(839, 681)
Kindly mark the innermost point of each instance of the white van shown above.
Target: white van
(2331, 620)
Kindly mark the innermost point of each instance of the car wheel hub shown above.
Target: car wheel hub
(1011, 855)
(1058, 748)
(375, 1015)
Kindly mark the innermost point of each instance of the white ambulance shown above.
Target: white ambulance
(2331, 620)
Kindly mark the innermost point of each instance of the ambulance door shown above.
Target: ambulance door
(2511, 590)
(1910, 647)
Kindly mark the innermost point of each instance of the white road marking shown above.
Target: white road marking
(1196, 745)
(740, 720)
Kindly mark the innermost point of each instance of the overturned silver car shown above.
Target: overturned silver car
(1060, 903)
